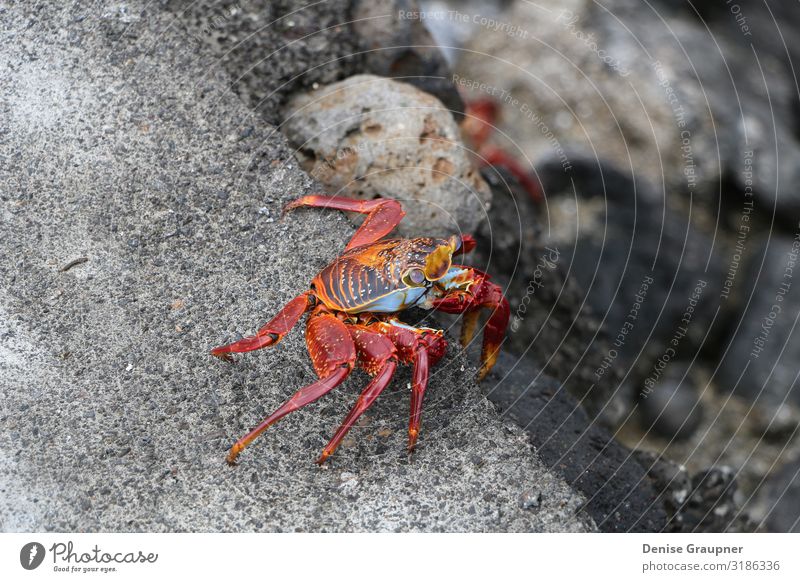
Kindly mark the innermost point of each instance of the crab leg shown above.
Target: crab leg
(365, 400)
(469, 325)
(383, 214)
(272, 332)
(479, 123)
(333, 355)
(422, 347)
(491, 155)
(378, 357)
(469, 290)
(419, 384)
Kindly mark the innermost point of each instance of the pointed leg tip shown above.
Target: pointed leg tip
(413, 435)
(291, 206)
(488, 363)
(224, 356)
(233, 454)
(324, 456)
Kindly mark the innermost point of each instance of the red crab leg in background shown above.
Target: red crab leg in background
(272, 332)
(383, 214)
(424, 348)
(491, 155)
(480, 120)
(378, 357)
(476, 292)
(333, 354)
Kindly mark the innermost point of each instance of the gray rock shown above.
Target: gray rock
(563, 100)
(780, 497)
(730, 434)
(610, 296)
(651, 274)
(672, 408)
(552, 324)
(713, 504)
(760, 363)
(513, 232)
(708, 501)
(671, 481)
(370, 136)
(266, 49)
(766, 31)
(397, 44)
(113, 417)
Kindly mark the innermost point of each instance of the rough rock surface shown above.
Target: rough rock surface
(779, 499)
(712, 504)
(266, 49)
(269, 49)
(117, 148)
(708, 501)
(368, 136)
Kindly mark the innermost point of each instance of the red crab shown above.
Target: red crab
(480, 121)
(353, 305)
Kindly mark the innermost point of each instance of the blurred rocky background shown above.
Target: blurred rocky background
(665, 138)
(628, 169)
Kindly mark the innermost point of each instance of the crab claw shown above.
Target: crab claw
(468, 292)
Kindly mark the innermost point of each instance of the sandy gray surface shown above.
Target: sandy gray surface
(124, 147)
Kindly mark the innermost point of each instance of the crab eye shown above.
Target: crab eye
(414, 277)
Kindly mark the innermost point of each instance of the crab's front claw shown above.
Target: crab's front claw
(470, 292)
(495, 330)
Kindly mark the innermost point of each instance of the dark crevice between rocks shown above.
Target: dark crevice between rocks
(619, 495)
